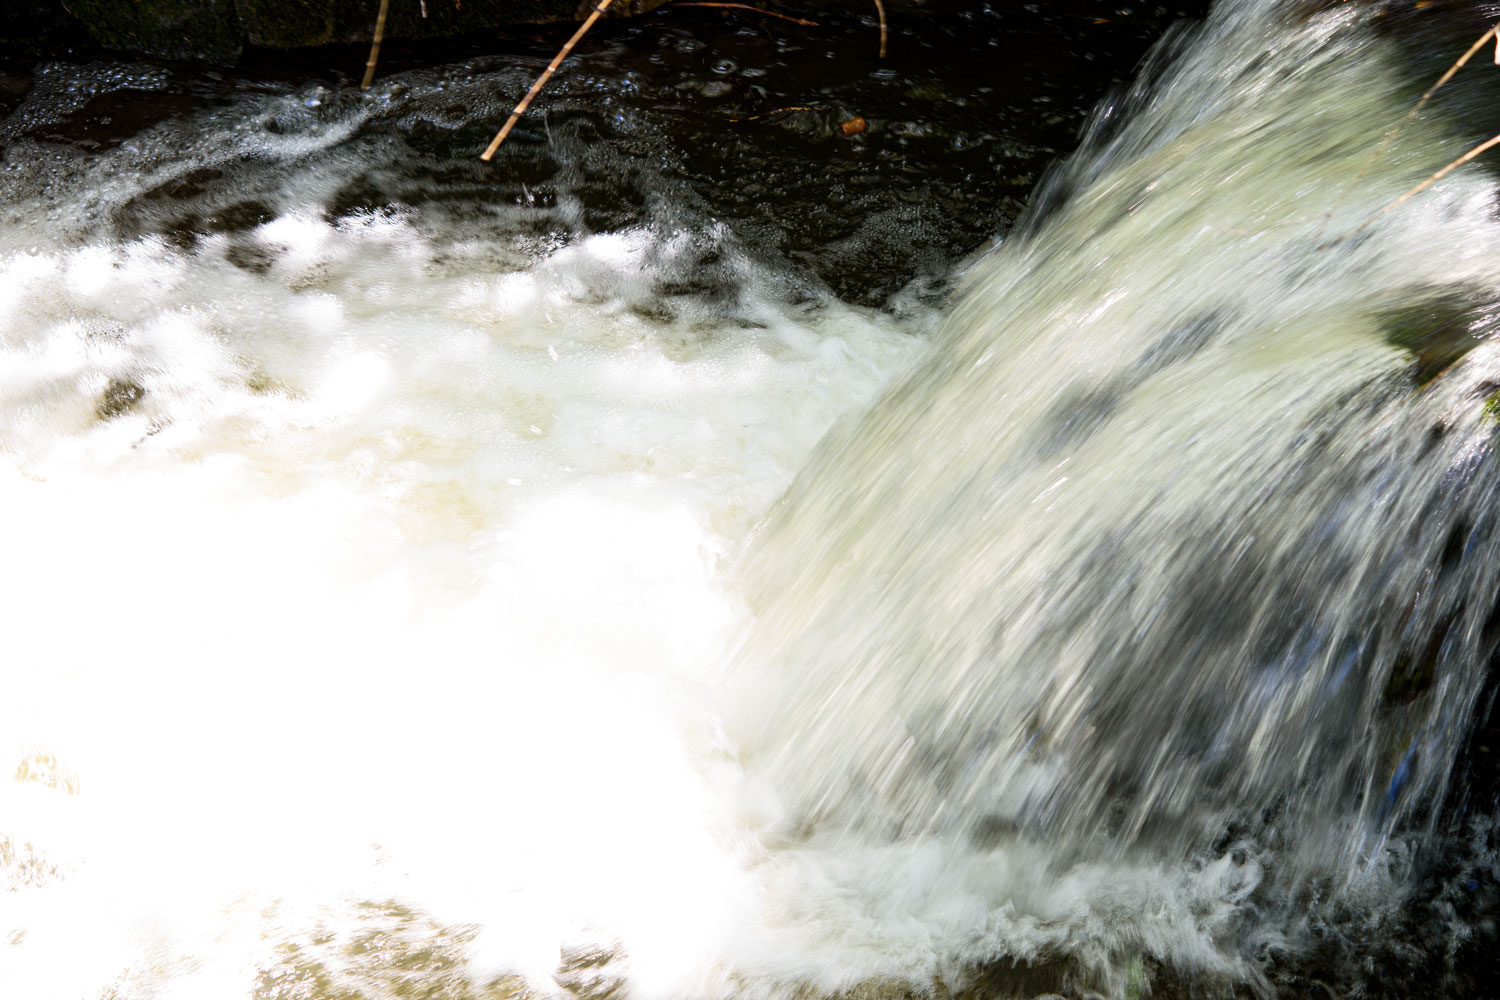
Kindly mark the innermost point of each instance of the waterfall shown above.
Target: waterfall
(411, 589)
(1182, 541)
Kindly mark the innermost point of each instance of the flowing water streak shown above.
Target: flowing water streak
(1170, 535)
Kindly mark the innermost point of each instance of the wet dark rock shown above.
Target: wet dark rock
(588, 973)
(218, 30)
(172, 29)
(30, 19)
(1440, 330)
(118, 398)
(298, 23)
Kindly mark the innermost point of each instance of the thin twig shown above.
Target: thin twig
(541, 81)
(744, 6)
(375, 46)
(1487, 144)
(880, 9)
(1451, 70)
(1494, 32)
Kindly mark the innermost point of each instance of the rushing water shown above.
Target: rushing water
(410, 592)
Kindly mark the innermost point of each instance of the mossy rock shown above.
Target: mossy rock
(1438, 330)
(1491, 411)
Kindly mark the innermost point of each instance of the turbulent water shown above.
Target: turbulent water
(448, 599)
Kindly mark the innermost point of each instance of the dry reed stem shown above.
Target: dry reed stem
(541, 81)
(880, 9)
(375, 46)
(1391, 136)
(1487, 144)
(1493, 32)
(1427, 95)
(744, 6)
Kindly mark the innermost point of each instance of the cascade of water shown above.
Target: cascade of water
(371, 622)
(1186, 529)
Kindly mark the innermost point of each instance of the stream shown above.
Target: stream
(1040, 540)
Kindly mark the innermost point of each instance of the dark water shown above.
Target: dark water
(672, 120)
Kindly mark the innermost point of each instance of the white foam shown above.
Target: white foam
(393, 578)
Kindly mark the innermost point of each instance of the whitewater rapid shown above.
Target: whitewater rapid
(404, 599)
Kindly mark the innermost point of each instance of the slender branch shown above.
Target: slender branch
(1427, 94)
(541, 81)
(1454, 69)
(1493, 32)
(375, 46)
(1487, 144)
(880, 9)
